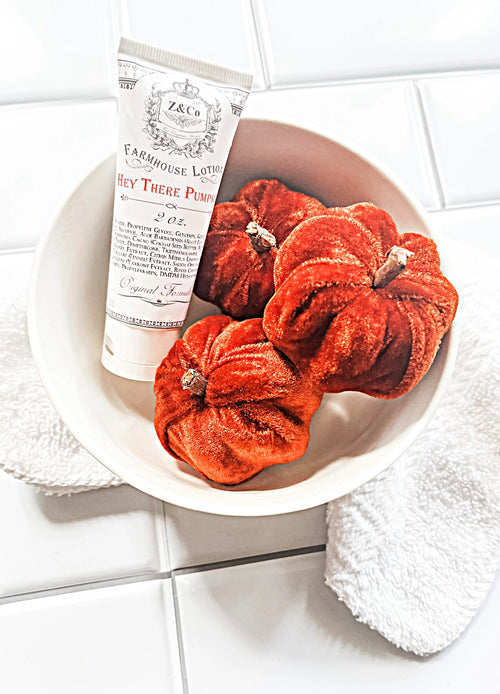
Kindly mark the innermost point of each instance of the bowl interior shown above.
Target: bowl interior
(353, 437)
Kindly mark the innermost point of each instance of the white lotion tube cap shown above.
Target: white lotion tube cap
(133, 352)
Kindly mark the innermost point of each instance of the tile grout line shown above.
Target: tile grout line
(154, 576)
(180, 639)
(481, 205)
(59, 101)
(382, 79)
(162, 536)
(354, 81)
(260, 45)
(71, 589)
(428, 140)
(15, 251)
(123, 17)
(253, 559)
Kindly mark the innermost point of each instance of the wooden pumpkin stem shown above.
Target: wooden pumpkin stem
(393, 266)
(195, 382)
(261, 239)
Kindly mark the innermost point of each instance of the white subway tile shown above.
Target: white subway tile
(54, 50)
(222, 33)
(322, 40)
(463, 114)
(275, 626)
(46, 151)
(119, 639)
(200, 538)
(51, 541)
(384, 119)
(478, 227)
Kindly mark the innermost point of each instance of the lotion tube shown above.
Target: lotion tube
(177, 119)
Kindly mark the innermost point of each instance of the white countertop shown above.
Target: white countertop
(114, 591)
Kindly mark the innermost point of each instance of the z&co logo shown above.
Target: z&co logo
(180, 121)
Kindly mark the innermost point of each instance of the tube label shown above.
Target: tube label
(175, 132)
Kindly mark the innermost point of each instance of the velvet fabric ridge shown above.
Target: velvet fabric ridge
(255, 408)
(336, 326)
(236, 267)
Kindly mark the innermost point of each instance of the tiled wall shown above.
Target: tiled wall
(416, 85)
(110, 591)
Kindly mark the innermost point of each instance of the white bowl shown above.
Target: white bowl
(353, 436)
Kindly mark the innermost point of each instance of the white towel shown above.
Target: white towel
(413, 552)
(35, 445)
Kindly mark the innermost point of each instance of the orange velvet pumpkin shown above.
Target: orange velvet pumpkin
(230, 404)
(236, 267)
(351, 312)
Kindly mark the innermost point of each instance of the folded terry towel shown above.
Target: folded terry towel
(35, 445)
(413, 552)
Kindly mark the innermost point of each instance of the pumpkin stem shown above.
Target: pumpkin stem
(195, 382)
(393, 266)
(260, 238)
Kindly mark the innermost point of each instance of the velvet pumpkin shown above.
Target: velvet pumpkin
(359, 306)
(230, 404)
(236, 267)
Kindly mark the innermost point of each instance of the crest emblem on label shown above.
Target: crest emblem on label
(181, 121)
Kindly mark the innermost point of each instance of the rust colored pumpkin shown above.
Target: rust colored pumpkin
(230, 404)
(357, 305)
(236, 267)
